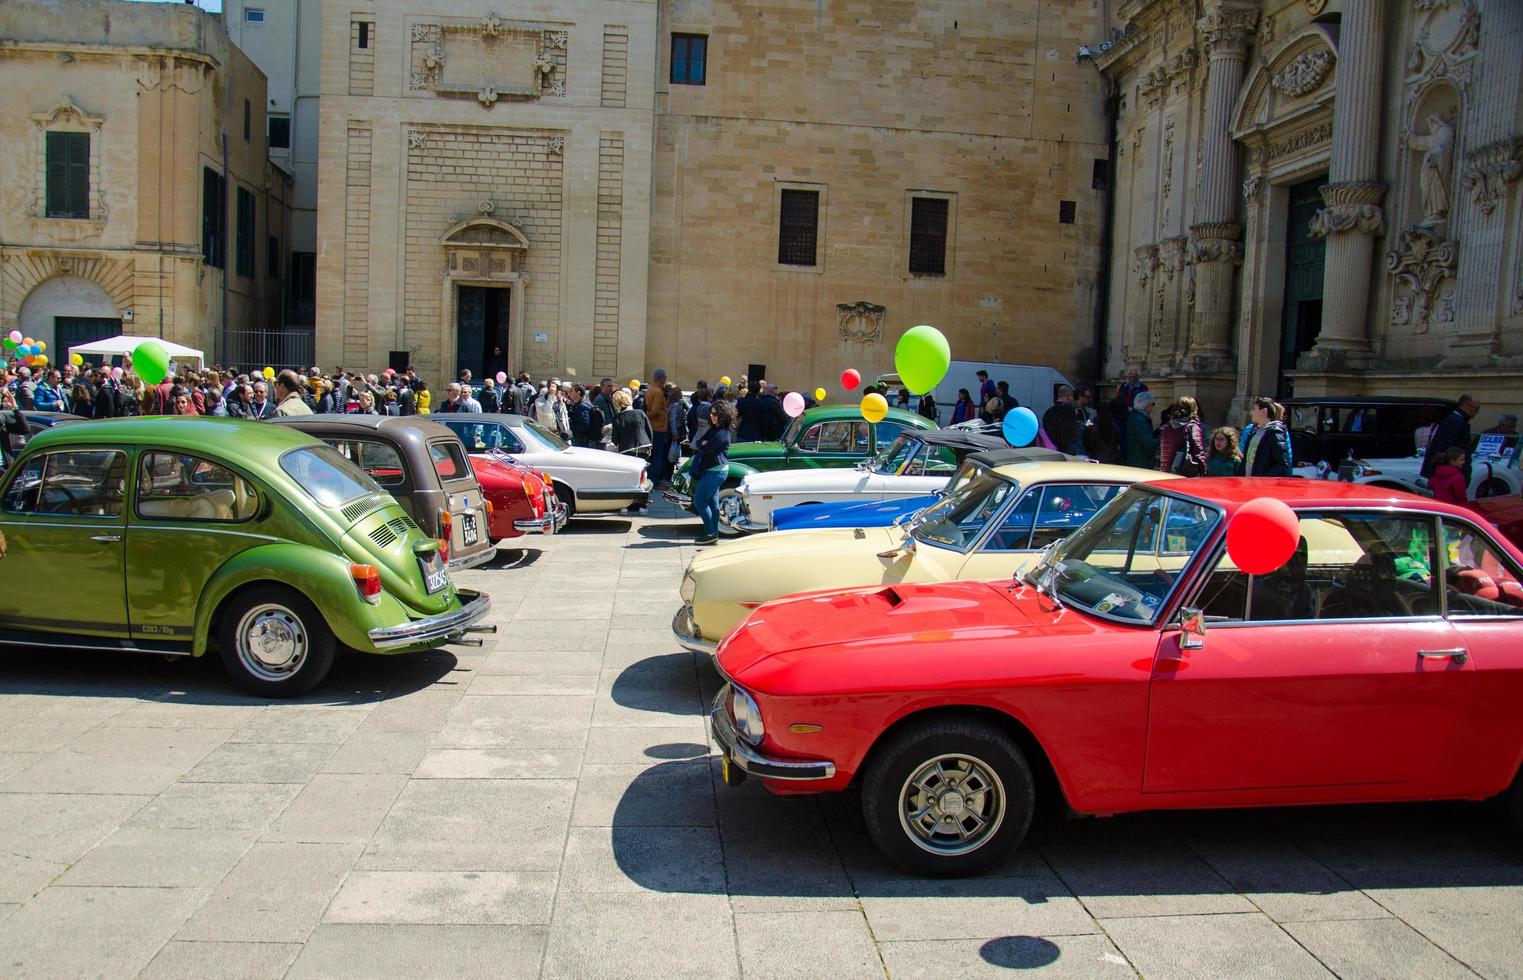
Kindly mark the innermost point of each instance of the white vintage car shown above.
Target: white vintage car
(1493, 470)
(916, 463)
(588, 481)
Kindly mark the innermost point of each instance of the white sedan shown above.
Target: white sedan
(589, 481)
(1493, 470)
(914, 464)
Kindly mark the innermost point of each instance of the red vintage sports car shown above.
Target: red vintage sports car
(1136, 668)
(523, 501)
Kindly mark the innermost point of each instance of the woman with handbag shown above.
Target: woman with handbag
(631, 432)
(711, 467)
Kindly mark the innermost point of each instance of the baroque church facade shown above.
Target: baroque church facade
(1317, 197)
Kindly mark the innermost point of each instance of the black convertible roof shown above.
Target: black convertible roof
(1029, 454)
(961, 439)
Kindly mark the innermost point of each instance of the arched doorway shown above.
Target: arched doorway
(67, 310)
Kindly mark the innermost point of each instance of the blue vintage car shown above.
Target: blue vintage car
(884, 513)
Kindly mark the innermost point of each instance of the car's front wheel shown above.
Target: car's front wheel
(274, 643)
(948, 797)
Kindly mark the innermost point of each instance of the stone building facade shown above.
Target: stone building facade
(112, 123)
(1318, 197)
(546, 179)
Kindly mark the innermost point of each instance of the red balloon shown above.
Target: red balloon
(1262, 535)
(850, 378)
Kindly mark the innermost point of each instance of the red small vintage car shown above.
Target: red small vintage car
(523, 501)
(1135, 668)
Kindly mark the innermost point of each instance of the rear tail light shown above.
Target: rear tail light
(537, 504)
(367, 578)
(643, 470)
(446, 533)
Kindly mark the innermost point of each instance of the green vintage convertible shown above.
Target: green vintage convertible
(189, 535)
(824, 436)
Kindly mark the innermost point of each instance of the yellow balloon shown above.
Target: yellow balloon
(269, 372)
(42, 359)
(42, 346)
(819, 394)
(635, 384)
(874, 408)
(76, 360)
(725, 380)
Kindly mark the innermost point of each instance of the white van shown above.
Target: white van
(1032, 385)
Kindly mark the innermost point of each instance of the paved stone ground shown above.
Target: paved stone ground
(547, 805)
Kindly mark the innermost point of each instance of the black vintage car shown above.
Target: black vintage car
(1328, 430)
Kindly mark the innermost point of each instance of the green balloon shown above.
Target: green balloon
(151, 361)
(10, 344)
(922, 358)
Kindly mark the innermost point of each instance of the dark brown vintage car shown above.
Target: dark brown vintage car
(1329, 430)
(424, 466)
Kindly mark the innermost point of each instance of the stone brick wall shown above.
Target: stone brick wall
(362, 60)
(605, 331)
(357, 245)
(615, 64)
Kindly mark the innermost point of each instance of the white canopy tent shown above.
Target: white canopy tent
(125, 345)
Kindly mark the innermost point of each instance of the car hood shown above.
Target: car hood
(898, 637)
(803, 545)
(582, 458)
(491, 473)
(806, 481)
(751, 450)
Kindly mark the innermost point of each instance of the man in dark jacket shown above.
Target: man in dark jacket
(1453, 430)
(1061, 423)
(579, 410)
(752, 418)
(12, 423)
(774, 419)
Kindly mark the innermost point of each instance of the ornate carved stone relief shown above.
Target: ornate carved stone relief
(1297, 142)
(1216, 242)
(1227, 31)
(1490, 169)
(1351, 206)
(488, 59)
(1421, 264)
(1168, 174)
(1305, 74)
(860, 322)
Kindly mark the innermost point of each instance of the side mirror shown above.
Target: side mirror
(1192, 629)
(906, 547)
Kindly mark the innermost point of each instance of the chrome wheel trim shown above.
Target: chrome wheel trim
(272, 643)
(952, 805)
(729, 504)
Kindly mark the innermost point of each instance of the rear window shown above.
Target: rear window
(328, 478)
(449, 460)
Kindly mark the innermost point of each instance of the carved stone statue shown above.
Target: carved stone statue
(1437, 148)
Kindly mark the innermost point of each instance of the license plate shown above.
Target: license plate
(468, 529)
(435, 577)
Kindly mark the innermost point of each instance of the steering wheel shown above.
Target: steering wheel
(73, 498)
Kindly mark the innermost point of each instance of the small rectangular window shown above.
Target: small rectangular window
(280, 132)
(213, 218)
(245, 232)
(68, 175)
(253, 15)
(362, 39)
(1099, 177)
(272, 257)
(798, 228)
(1066, 212)
(690, 59)
(248, 120)
(928, 236)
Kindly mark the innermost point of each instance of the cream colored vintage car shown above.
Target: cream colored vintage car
(986, 527)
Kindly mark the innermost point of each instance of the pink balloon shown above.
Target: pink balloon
(793, 404)
(850, 378)
(502, 377)
(1262, 535)
(16, 336)
(116, 374)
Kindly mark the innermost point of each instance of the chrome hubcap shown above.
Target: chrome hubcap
(729, 505)
(272, 642)
(952, 805)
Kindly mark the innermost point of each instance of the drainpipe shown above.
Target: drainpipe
(226, 252)
(1107, 234)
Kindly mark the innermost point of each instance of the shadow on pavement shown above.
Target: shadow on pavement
(594, 526)
(667, 683)
(685, 533)
(514, 557)
(1020, 952)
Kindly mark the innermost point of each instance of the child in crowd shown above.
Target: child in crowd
(1448, 480)
(1225, 458)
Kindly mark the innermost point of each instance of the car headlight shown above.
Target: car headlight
(747, 715)
(689, 584)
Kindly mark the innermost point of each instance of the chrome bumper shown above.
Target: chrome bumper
(444, 627)
(548, 524)
(733, 515)
(680, 499)
(685, 629)
(748, 760)
(471, 561)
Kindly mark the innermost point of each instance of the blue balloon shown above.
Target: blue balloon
(1020, 426)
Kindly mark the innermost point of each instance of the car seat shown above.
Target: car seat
(1285, 593)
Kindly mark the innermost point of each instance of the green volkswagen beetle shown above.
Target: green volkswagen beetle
(189, 535)
(827, 435)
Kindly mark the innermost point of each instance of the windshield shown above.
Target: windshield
(897, 456)
(328, 477)
(791, 434)
(481, 436)
(958, 520)
(544, 436)
(1126, 560)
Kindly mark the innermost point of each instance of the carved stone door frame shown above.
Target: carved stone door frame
(487, 252)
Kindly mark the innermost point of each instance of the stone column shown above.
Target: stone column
(1214, 245)
(1351, 219)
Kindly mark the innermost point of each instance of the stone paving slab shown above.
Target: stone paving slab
(548, 806)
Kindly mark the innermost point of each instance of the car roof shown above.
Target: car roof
(963, 439)
(1232, 492)
(506, 418)
(402, 428)
(193, 433)
(1025, 454)
(820, 412)
(1075, 470)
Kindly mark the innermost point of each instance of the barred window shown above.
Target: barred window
(798, 229)
(928, 236)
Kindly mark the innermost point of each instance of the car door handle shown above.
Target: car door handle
(1457, 655)
(106, 538)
